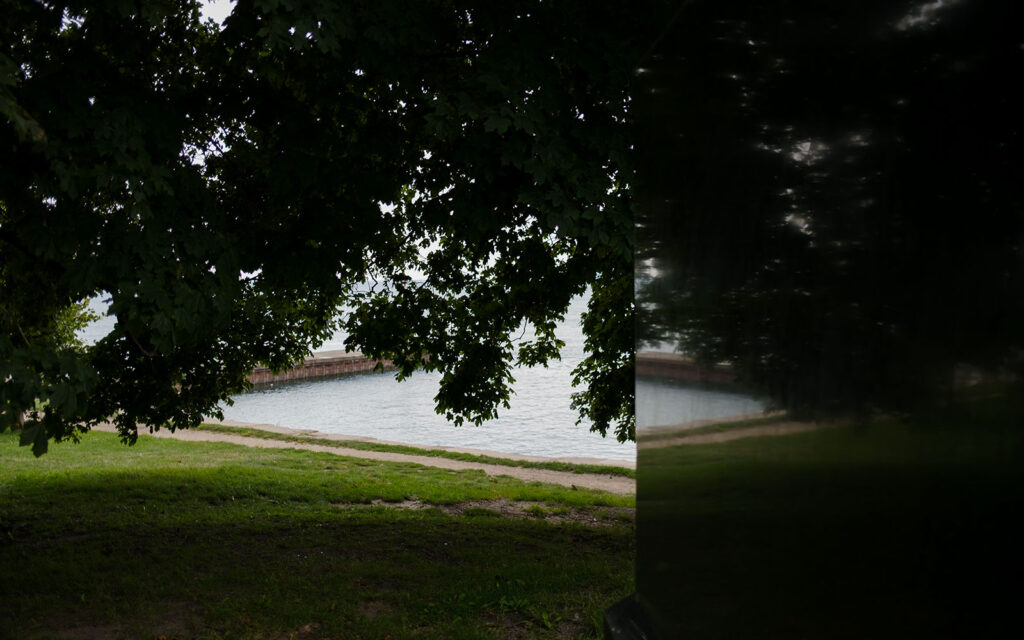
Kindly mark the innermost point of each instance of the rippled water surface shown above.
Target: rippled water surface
(663, 402)
(539, 422)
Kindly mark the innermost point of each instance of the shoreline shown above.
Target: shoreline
(273, 428)
(612, 483)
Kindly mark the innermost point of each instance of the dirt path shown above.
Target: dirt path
(613, 484)
(777, 429)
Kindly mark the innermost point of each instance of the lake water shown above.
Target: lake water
(662, 403)
(539, 422)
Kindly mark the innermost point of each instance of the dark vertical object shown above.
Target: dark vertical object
(627, 620)
(831, 200)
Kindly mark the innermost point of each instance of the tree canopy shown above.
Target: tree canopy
(230, 188)
(832, 197)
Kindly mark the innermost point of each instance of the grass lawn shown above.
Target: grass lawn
(884, 530)
(168, 539)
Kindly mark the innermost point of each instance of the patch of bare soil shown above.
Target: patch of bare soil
(308, 631)
(515, 626)
(373, 609)
(169, 621)
(509, 625)
(590, 516)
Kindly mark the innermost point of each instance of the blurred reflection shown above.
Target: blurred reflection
(831, 226)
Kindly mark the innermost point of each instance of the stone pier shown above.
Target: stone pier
(674, 366)
(325, 364)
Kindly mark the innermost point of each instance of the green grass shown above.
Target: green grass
(169, 539)
(608, 470)
(881, 530)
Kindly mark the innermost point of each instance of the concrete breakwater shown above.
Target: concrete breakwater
(331, 364)
(673, 366)
(326, 364)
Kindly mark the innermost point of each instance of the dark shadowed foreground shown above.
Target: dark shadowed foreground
(880, 529)
(831, 201)
(195, 540)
